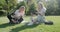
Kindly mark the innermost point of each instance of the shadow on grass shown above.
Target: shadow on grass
(22, 28)
(6, 25)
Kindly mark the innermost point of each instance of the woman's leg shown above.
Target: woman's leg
(20, 20)
(9, 17)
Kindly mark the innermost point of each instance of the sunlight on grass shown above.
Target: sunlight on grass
(5, 27)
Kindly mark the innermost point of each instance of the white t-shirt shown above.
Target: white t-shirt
(18, 14)
(42, 11)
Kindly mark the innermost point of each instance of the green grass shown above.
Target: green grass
(5, 27)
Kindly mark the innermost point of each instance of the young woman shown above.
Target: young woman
(18, 15)
(41, 13)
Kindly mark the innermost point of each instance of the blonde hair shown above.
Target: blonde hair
(22, 7)
(40, 6)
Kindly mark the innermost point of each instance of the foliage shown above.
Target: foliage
(53, 6)
(7, 5)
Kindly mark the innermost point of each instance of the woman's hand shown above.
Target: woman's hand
(13, 20)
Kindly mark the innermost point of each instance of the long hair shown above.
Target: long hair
(40, 6)
(22, 7)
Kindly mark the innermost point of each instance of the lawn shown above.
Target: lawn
(5, 27)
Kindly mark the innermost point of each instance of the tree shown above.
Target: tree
(52, 7)
(7, 5)
(30, 6)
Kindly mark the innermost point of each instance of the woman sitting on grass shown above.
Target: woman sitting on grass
(18, 15)
(41, 15)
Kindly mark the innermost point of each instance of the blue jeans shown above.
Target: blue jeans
(41, 19)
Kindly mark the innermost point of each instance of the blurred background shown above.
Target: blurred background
(7, 6)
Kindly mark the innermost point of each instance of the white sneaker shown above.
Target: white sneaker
(31, 23)
(37, 22)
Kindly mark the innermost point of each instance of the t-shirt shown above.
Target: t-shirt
(18, 14)
(42, 11)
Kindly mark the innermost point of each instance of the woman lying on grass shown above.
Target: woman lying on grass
(17, 16)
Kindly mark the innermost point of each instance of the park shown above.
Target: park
(29, 15)
(5, 27)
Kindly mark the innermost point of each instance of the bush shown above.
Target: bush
(2, 12)
(32, 9)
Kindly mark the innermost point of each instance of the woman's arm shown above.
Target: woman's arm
(13, 20)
